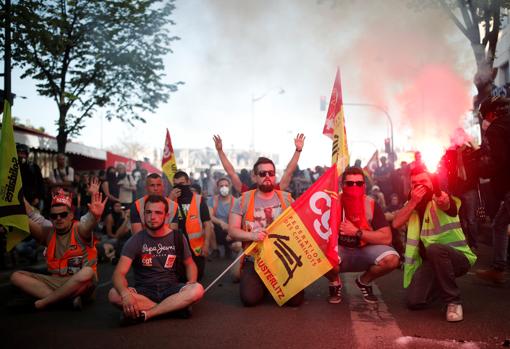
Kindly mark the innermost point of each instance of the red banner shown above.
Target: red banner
(318, 209)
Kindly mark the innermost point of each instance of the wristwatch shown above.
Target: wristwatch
(359, 233)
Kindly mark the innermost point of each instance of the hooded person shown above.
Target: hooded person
(364, 239)
(495, 112)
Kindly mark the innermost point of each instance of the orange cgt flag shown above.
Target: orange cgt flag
(168, 163)
(302, 243)
(334, 127)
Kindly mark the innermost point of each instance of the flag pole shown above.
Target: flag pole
(225, 271)
(248, 250)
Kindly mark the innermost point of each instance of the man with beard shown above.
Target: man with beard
(253, 212)
(156, 254)
(364, 239)
(71, 255)
(153, 186)
(193, 219)
(436, 249)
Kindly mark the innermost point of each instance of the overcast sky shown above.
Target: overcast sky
(415, 64)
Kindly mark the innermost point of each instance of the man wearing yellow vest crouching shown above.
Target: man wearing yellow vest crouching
(193, 219)
(253, 212)
(436, 250)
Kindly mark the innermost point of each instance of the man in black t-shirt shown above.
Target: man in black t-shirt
(156, 254)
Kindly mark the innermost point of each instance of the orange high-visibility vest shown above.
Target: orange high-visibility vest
(248, 207)
(78, 254)
(140, 204)
(194, 230)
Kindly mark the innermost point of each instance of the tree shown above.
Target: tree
(92, 54)
(480, 22)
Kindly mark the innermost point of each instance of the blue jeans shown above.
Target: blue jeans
(500, 234)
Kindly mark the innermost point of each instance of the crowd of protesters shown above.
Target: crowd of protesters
(133, 220)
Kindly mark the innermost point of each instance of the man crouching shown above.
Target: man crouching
(157, 255)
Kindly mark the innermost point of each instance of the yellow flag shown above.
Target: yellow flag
(168, 162)
(12, 209)
(290, 258)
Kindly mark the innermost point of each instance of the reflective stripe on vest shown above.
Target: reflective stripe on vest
(140, 204)
(77, 249)
(248, 207)
(437, 228)
(194, 229)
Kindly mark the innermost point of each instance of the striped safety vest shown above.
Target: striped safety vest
(248, 207)
(437, 228)
(140, 204)
(78, 254)
(194, 229)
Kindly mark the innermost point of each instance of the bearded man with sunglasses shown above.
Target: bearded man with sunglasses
(253, 212)
(364, 239)
(70, 253)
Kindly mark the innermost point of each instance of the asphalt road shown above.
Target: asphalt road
(219, 320)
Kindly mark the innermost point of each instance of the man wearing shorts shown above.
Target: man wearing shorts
(156, 254)
(70, 253)
(364, 239)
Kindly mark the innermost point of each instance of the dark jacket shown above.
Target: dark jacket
(498, 135)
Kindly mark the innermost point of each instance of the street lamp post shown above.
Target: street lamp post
(388, 117)
(256, 99)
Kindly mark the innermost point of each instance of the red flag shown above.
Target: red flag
(318, 208)
(168, 162)
(335, 105)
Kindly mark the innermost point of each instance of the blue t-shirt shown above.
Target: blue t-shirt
(154, 258)
(223, 208)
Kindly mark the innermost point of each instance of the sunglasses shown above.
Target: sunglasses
(59, 215)
(263, 174)
(353, 183)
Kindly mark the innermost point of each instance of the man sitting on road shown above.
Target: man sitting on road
(158, 255)
(436, 250)
(71, 255)
(153, 186)
(364, 239)
(253, 212)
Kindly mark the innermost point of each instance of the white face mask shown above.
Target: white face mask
(224, 191)
(485, 125)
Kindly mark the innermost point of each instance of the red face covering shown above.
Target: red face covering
(353, 205)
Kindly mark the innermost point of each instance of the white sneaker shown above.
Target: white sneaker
(454, 312)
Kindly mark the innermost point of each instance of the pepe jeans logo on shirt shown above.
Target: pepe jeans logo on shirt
(170, 259)
(147, 260)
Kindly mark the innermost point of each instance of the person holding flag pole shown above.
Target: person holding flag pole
(364, 235)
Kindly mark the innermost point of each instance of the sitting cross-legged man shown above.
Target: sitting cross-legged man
(70, 253)
(158, 255)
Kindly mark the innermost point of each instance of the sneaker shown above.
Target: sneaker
(492, 275)
(454, 313)
(335, 294)
(366, 290)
